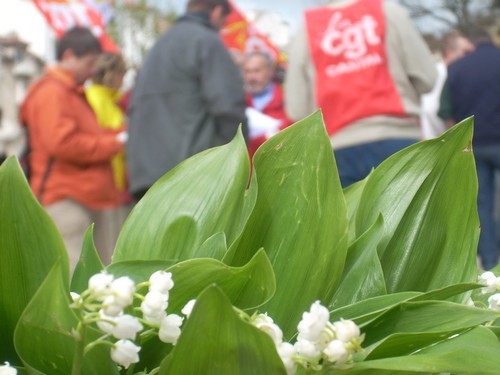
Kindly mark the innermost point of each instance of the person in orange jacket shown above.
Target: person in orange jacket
(70, 154)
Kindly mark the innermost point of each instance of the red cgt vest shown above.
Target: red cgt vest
(348, 51)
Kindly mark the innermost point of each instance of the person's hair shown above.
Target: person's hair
(449, 42)
(208, 5)
(268, 60)
(479, 35)
(108, 66)
(80, 40)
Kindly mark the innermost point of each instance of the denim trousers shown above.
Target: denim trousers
(487, 164)
(356, 162)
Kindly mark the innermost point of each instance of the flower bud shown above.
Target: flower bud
(186, 310)
(161, 281)
(125, 352)
(169, 329)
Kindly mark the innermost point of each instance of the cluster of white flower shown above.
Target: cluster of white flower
(492, 283)
(6, 369)
(320, 343)
(107, 299)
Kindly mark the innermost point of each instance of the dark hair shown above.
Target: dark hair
(209, 5)
(80, 40)
(108, 66)
(479, 35)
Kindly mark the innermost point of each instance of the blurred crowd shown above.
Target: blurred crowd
(94, 150)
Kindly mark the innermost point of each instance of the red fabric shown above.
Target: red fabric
(352, 76)
(61, 15)
(275, 108)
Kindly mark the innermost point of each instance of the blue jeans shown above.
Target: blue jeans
(487, 163)
(356, 162)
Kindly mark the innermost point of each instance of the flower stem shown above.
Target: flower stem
(79, 348)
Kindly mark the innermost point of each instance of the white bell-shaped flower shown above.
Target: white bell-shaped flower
(161, 281)
(125, 352)
(313, 322)
(106, 323)
(126, 327)
(346, 330)
(266, 324)
(307, 349)
(123, 290)
(286, 351)
(99, 285)
(111, 306)
(336, 352)
(494, 302)
(153, 307)
(6, 369)
(489, 279)
(170, 329)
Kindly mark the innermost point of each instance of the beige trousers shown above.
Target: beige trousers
(72, 219)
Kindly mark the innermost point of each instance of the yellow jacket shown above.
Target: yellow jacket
(103, 101)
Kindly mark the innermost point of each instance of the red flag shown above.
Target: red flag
(61, 15)
(240, 34)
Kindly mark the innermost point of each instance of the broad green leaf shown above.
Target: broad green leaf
(367, 310)
(299, 218)
(216, 341)
(138, 270)
(363, 276)
(44, 335)
(446, 292)
(214, 247)
(352, 196)
(89, 263)
(202, 196)
(427, 196)
(29, 246)
(476, 352)
(428, 316)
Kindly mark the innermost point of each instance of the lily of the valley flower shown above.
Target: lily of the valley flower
(6, 369)
(123, 290)
(489, 279)
(307, 349)
(336, 352)
(313, 322)
(125, 352)
(99, 285)
(161, 281)
(494, 302)
(287, 353)
(266, 324)
(121, 327)
(153, 307)
(346, 330)
(170, 329)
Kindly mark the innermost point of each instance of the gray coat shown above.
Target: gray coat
(188, 97)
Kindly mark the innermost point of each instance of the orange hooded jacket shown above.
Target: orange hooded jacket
(70, 154)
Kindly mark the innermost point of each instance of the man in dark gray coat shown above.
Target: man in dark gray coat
(188, 96)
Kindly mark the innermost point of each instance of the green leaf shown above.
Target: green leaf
(216, 341)
(352, 195)
(364, 311)
(299, 218)
(363, 276)
(44, 335)
(202, 196)
(476, 352)
(138, 270)
(427, 196)
(29, 246)
(427, 316)
(88, 265)
(214, 247)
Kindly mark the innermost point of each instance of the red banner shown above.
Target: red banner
(61, 15)
(240, 34)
